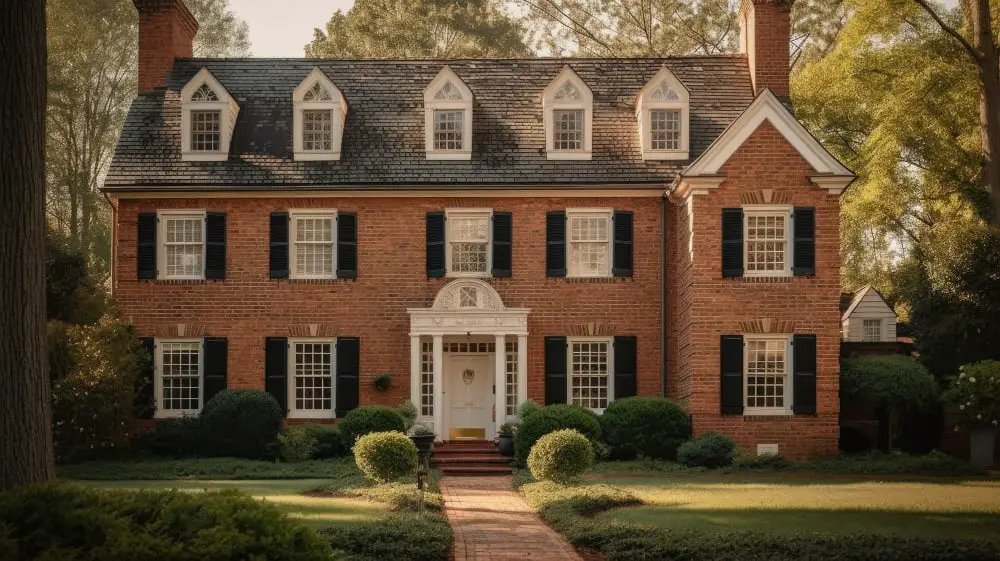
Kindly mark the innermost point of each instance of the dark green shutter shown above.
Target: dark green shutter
(144, 396)
(347, 245)
(279, 245)
(804, 247)
(732, 242)
(622, 254)
(625, 366)
(555, 370)
(347, 385)
(435, 244)
(216, 365)
(276, 370)
(146, 251)
(503, 237)
(731, 392)
(215, 245)
(555, 244)
(804, 374)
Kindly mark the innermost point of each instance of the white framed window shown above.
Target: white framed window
(468, 246)
(179, 380)
(662, 109)
(767, 379)
(180, 244)
(510, 394)
(208, 115)
(767, 241)
(590, 381)
(311, 370)
(427, 379)
(448, 118)
(313, 235)
(319, 111)
(871, 330)
(568, 108)
(589, 242)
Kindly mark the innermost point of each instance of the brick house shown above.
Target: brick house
(485, 232)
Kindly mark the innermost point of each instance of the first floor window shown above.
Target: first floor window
(568, 133)
(468, 243)
(872, 330)
(766, 368)
(665, 129)
(317, 130)
(205, 131)
(183, 245)
(179, 382)
(589, 243)
(312, 369)
(589, 373)
(313, 245)
(511, 382)
(448, 128)
(766, 242)
(427, 379)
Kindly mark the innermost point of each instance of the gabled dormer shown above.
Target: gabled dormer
(319, 113)
(448, 118)
(568, 106)
(663, 111)
(208, 115)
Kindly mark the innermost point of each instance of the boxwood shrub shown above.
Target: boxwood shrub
(176, 438)
(552, 418)
(651, 427)
(385, 456)
(328, 441)
(710, 450)
(296, 444)
(560, 456)
(396, 537)
(370, 418)
(242, 423)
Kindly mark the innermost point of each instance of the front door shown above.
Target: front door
(469, 396)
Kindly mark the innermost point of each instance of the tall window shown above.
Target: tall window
(319, 110)
(511, 382)
(313, 242)
(312, 368)
(766, 242)
(662, 110)
(427, 379)
(317, 130)
(567, 106)
(569, 130)
(448, 128)
(665, 129)
(767, 375)
(208, 115)
(447, 118)
(589, 243)
(178, 384)
(872, 332)
(182, 245)
(205, 131)
(468, 243)
(590, 371)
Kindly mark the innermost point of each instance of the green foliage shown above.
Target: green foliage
(368, 419)
(328, 441)
(976, 393)
(385, 456)
(177, 438)
(419, 430)
(408, 411)
(537, 424)
(651, 427)
(526, 408)
(296, 444)
(62, 521)
(767, 462)
(400, 495)
(398, 537)
(508, 429)
(560, 456)
(878, 463)
(71, 293)
(711, 450)
(383, 382)
(151, 469)
(241, 423)
(888, 380)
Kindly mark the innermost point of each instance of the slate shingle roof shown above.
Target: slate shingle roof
(383, 142)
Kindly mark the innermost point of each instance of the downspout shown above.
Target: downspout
(663, 296)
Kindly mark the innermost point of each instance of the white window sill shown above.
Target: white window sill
(312, 277)
(767, 274)
(463, 155)
(175, 413)
(178, 277)
(601, 276)
(311, 414)
(665, 155)
(775, 412)
(316, 156)
(204, 157)
(556, 155)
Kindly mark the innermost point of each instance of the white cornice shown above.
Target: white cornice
(834, 184)
(178, 192)
(698, 185)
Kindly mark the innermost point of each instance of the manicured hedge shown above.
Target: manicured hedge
(650, 427)
(552, 418)
(385, 456)
(242, 423)
(560, 456)
(328, 441)
(370, 418)
(709, 450)
(396, 537)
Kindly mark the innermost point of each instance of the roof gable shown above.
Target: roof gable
(873, 301)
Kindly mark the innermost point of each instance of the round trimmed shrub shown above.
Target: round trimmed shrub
(242, 423)
(651, 427)
(385, 456)
(544, 420)
(296, 444)
(560, 456)
(368, 419)
(328, 441)
(710, 450)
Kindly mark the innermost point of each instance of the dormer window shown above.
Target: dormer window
(319, 113)
(448, 118)
(663, 113)
(207, 119)
(568, 107)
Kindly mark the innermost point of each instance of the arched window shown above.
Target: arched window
(448, 118)
(208, 115)
(663, 113)
(319, 113)
(568, 105)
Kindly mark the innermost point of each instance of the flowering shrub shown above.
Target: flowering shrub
(976, 393)
(508, 429)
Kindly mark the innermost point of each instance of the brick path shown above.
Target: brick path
(492, 523)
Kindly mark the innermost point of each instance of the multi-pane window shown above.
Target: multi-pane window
(766, 242)
(665, 129)
(468, 243)
(205, 131)
(568, 133)
(589, 244)
(427, 379)
(448, 127)
(317, 130)
(179, 378)
(872, 330)
(511, 381)
(183, 246)
(589, 374)
(312, 378)
(766, 374)
(313, 245)
(469, 347)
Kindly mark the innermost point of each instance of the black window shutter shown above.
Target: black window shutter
(555, 245)
(216, 365)
(347, 245)
(804, 249)
(279, 245)
(625, 366)
(503, 238)
(143, 399)
(435, 244)
(348, 367)
(276, 370)
(732, 242)
(555, 370)
(804, 374)
(146, 251)
(731, 393)
(622, 253)
(215, 245)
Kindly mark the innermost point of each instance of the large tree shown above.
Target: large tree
(25, 413)
(420, 29)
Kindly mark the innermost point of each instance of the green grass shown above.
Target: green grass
(204, 468)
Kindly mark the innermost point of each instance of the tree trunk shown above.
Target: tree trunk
(25, 429)
(989, 104)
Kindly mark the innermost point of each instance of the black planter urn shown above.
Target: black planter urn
(506, 444)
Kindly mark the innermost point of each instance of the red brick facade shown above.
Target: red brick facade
(166, 32)
(768, 46)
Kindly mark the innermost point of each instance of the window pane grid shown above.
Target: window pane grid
(314, 246)
(427, 379)
(184, 246)
(568, 133)
(469, 240)
(448, 131)
(180, 376)
(511, 385)
(313, 376)
(766, 243)
(872, 330)
(205, 131)
(589, 374)
(469, 347)
(766, 374)
(589, 248)
(317, 130)
(665, 129)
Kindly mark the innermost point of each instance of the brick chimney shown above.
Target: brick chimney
(765, 30)
(166, 32)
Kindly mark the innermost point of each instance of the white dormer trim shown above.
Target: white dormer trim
(332, 100)
(447, 92)
(224, 104)
(663, 92)
(555, 98)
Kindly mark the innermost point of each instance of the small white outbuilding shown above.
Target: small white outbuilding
(868, 318)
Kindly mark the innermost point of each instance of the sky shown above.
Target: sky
(281, 28)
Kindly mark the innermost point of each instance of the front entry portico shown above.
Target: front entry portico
(468, 361)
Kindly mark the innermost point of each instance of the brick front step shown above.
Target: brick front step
(470, 451)
(470, 459)
(463, 469)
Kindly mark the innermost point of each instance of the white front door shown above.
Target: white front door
(468, 382)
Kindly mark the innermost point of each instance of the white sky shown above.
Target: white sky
(281, 28)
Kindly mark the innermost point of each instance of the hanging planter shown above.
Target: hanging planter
(383, 382)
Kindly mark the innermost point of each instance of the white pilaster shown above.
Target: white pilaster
(439, 387)
(415, 371)
(500, 371)
(522, 369)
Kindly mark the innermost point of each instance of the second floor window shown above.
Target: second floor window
(468, 243)
(665, 129)
(205, 131)
(448, 128)
(313, 244)
(569, 130)
(183, 245)
(317, 130)
(766, 242)
(589, 243)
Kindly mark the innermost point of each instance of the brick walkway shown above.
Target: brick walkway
(491, 522)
